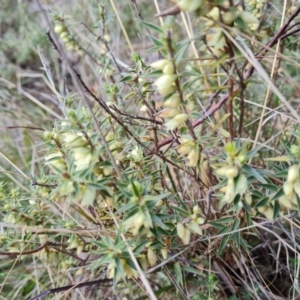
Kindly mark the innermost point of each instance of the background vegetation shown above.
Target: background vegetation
(149, 150)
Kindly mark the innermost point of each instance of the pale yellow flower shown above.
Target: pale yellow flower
(176, 121)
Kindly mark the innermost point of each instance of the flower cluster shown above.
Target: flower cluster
(216, 40)
(190, 225)
(236, 181)
(61, 29)
(191, 149)
(191, 5)
(291, 188)
(256, 6)
(165, 85)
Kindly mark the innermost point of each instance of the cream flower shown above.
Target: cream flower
(176, 121)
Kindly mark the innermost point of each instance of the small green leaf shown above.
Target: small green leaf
(250, 171)
(236, 224)
(139, 248)
(224, 230)
(268, 186)
(298, 203)
(223, 244)
(179, 54)
(247, 206)
(178, 273)
(221, 221)
(158, 221)
(279, 194)
(262, 202)
(151, 26)
(191, 270)
(276, 209)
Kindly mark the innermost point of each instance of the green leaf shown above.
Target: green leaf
(276, 209)
(247, 206)
(178, 273)
(150, 26)
(191, 270)
(156, 42)
(236, 224)
(250, 171)
(127, 78)
(236, 237)
(132, 213)
(223, 244)
(221, 221)
(224, 230)
(298, 203)
(28, 287)
(262, 202)
(119, 268)
(257, 194)
(147, 216)
(139, 248)
(179, 54)
(135, 189)
(105, 259)
(268, 186)
(279, 194)
(158, 221)
(127, 206)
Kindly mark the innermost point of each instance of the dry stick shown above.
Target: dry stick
(23, 127)
(68, 287)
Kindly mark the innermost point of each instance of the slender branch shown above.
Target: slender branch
(23, 127)
(69, 287)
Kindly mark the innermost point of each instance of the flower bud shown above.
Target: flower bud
(59, 28)
(248, 17)
(193, 226)
(159, 65)
(164, 83)
(223, 170)
(180, 230)
(228, 17)
(229, 194)
(214, 13)
(232, 172)
(187, 236)
(285, 202)
(172, 102)
(200, 220)
(74, 140)
(248, 198)
(193, 158)
(297, 187)
(168, 69)
(288, 189)
(169, 112)
(190, 5)
(262, 209)
(186, 147)
(293, 173)
(241, 185)
(151, 257)
(295, 150)
(176, 121)
(164, 253)
(47, 135)
(196, 209)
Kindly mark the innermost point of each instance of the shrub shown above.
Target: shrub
(176, 177)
